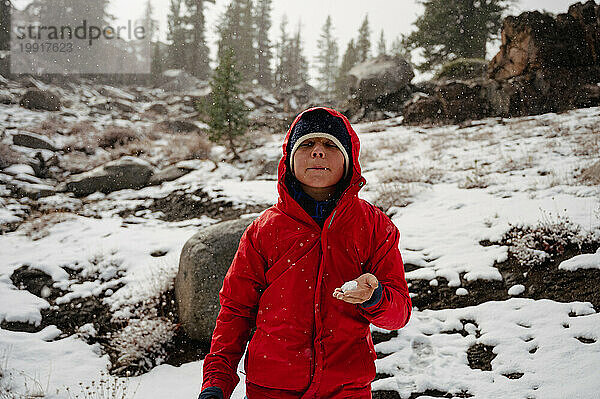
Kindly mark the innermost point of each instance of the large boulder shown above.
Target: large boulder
(33, 140)
(126, 172)
(380, 77)
(205, 259)
(534, 41)
(170, 173)
(545, 64)
(548, 64)
(452, 101)
(40, 100)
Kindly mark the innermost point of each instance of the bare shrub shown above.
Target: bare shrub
(392, 194)
(587, 145)
(474, 180)
(533, 245)
(82, 127)
(114, 136)
(8, 156)
(141, 344)
(38, 228)
(50, 126)
(78, 162)
(516, 163)
(183, 147)
(413, 174)
(149, 328)
(591, 174)
(108, 387)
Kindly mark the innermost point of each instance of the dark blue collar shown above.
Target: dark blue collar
(318, 210)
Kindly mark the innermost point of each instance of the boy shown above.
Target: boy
(312, 336)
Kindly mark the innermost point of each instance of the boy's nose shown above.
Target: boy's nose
(318, 151)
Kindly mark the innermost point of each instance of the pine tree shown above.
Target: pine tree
(177, 35)
(281, 78)
(328, 57)
(451, 29)
(5, 13)
(381, 50)
(363, 43)
(292, 66)
(298, 65)
(197, 61)
(399, 49)
(237, 34)
(157, 67)
(228, 114)
(349, 59)
(263, 46)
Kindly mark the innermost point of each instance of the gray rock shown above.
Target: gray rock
(40, 100)
(32, 140)
(18, 169)
(168, 174)
(380, 76)
(32, 190)
(115, 105)
(158, 108)
(7, 99)
(179, 80)
(126, 172)
(205, 259)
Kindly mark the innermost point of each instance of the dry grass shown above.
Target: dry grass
(474, 180)
(116, 136)
(82, 127)
(587, 145)
(183, 147)
(51, 126)
(392, 194)
(78, 162)
(38, 228)
(412, 174)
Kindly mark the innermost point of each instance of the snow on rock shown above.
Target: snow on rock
(516, 289)
(19, 169)
(91, 245)
(527, 336)
(461, 291)
(585, 261)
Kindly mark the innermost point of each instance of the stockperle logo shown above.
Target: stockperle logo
(58, 42)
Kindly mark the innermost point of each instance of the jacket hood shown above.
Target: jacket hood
(356, 180)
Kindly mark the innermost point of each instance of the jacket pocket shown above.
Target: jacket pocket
(368, 356)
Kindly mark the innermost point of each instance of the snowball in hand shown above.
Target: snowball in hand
(349, 285)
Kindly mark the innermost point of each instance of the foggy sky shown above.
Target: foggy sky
(395, 17)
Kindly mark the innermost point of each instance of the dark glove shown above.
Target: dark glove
(211, 393)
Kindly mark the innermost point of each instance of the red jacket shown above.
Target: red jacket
(282, 280)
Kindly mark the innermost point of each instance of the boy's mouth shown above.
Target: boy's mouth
(318, 168)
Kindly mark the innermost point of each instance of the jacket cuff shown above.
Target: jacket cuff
(210, 392)
(375, 298)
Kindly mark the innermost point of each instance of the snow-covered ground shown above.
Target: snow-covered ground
(463, 184)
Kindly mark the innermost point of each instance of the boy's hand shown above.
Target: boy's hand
(366, 285)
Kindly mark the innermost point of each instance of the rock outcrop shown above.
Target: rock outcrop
(205, 259)
(379, 77)
(126, 172)
(545, 64)
(40, 100)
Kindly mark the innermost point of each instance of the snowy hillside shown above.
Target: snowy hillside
(500, 235)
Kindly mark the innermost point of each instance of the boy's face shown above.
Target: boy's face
(318, 163)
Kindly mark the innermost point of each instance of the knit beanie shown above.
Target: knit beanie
(320, 123)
